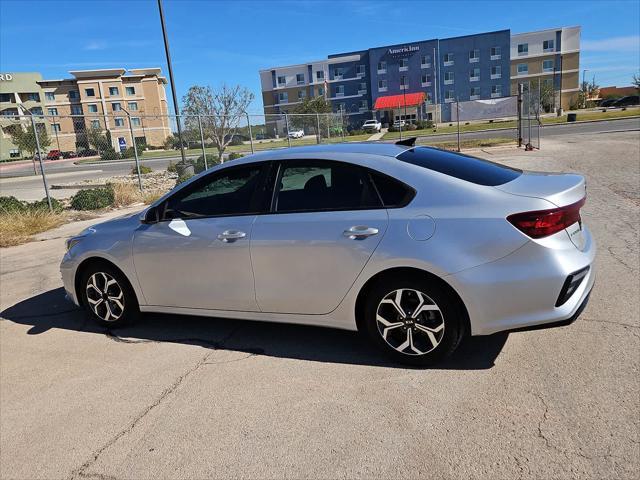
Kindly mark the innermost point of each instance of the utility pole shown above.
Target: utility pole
(173, 86)
(584, 89)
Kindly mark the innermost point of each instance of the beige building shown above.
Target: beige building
(98, 99)
(551, 57)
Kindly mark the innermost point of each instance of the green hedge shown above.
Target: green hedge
(143, 170)
(93, 199)
(12, 204)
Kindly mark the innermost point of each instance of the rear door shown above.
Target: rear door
(326, 221)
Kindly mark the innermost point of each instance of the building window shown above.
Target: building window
(282, 80)
(403, 83)
(496, 72)
(320, 75)
(382, 67)
(474, 55)
(340, 91)
(320, 91)
(474, 75)
(113, 91)
(363, 106)
(76, 109)
(523, 48)
(362, 89)
(301, 95)
(52, 111)
(448, 78)
(449, 96)
(475, 93)
(119, 122)
(89, 92)
(133, 106)
(425, 80)
(338, 73)
(547, 66)
(300, 78)
(547, 82)
(73, 95)
(93, 108)
(116, 107)
(425, 61)
(95, 123)
(8, 97)
(34, 97)
(382, 85)
(135, 121)
(495, 53)
(404, 64)
(283, 97)
(523, 69)
(55, 127)
(496, 91)
(50, 96)
(130, 90)
(429, 100)
(548, 46)
(360, 71)
(35, 110)
(448, 59)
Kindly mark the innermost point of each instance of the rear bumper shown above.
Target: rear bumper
(520, 290)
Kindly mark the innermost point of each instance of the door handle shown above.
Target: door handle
(231, 235)
(360, 232)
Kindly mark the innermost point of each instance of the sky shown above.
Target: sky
(214, 42)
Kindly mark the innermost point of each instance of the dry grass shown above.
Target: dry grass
(150, 196)
(19, 227)
(129, 193)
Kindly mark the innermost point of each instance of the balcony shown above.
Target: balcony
(425, 65)
(496, 57)
(495, 76)
(474, 59)
(474, 79)
(495, 95)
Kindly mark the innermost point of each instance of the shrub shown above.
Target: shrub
(171, 168)
(236, 140)
(235, 156)
(56, 205)
(393, 129)
(411, 127)
(143, 170)
(11, 204)
(357, 132)
(199, 163)
(125, 193)
(93, 199)
(109, 154)
(183, 178)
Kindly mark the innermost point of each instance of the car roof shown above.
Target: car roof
(381, 149)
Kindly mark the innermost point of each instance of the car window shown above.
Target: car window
(464, 167)
(323, 185)
(394, 193)
(231, 191)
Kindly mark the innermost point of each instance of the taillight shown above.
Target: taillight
(543, 223)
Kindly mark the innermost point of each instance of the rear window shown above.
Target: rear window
(464, 167)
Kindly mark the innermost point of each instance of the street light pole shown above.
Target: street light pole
(173, 86)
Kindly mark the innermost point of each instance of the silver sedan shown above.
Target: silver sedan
(416, 247)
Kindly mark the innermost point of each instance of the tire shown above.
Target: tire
(107, 296)
(427, 327)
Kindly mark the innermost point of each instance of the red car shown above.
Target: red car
(54, 155)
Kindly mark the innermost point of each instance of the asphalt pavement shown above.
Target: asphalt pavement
(185, 397)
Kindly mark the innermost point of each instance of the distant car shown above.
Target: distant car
(608, 101)
(54, 155)
(399, 123)
(69, 154)
(296, 133)
(627, 101)
(87, 153)
(372, 126)
(262, 136)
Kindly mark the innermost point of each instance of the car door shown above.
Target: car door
(326, 220)
(197, 255)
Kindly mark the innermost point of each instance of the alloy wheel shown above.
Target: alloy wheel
(105, 296)
(410, 322)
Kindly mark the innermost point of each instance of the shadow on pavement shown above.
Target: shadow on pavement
(50, 310)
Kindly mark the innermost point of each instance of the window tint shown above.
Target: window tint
(393, 192)
(324, 185)
(229, 192)
(464, 167)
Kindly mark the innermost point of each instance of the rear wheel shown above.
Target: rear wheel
(414, 321)
(107, 296)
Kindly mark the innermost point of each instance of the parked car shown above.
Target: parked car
(69, 154)
(414, 246)
(627, 101)
(372, 126)
(54, 155)
(399, 123)
(88, 153)
(607, 102)
(298, 133)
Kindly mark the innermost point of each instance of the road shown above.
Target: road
(31, 187)
(184, 397)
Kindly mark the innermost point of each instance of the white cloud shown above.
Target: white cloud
(95, 45)
(629, 43)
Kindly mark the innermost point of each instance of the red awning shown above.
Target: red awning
(398, 101)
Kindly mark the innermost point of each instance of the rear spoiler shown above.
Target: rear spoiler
(407, 142)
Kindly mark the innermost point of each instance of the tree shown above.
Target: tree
(221, 111)
(636, 82)
(25, 140)
(303, 115)
(101, 142)
(588, 91)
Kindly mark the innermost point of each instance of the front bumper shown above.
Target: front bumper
(68, 274)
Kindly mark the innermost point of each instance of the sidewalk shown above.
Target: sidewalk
(377, 136)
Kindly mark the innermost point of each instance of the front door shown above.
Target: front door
(326, 222)
(197, 255)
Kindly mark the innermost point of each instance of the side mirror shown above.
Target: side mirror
(150, 215)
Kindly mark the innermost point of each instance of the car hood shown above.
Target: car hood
(128, 221)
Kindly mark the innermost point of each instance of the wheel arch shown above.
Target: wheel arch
(90, 261)
(407, 272)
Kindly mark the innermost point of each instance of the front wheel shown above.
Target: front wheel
(414, 321)
(107, 296)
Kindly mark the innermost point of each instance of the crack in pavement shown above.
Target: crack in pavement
(595, 320)
(80, 472)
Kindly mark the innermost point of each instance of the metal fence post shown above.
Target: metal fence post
(458, 118)
(44, 176)
(520, 114)
(329, 127)
(286, 123)
(250, 134)
(538, 114)
(318, 132)
(204, 152)
(135, 152)
(342, 124)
